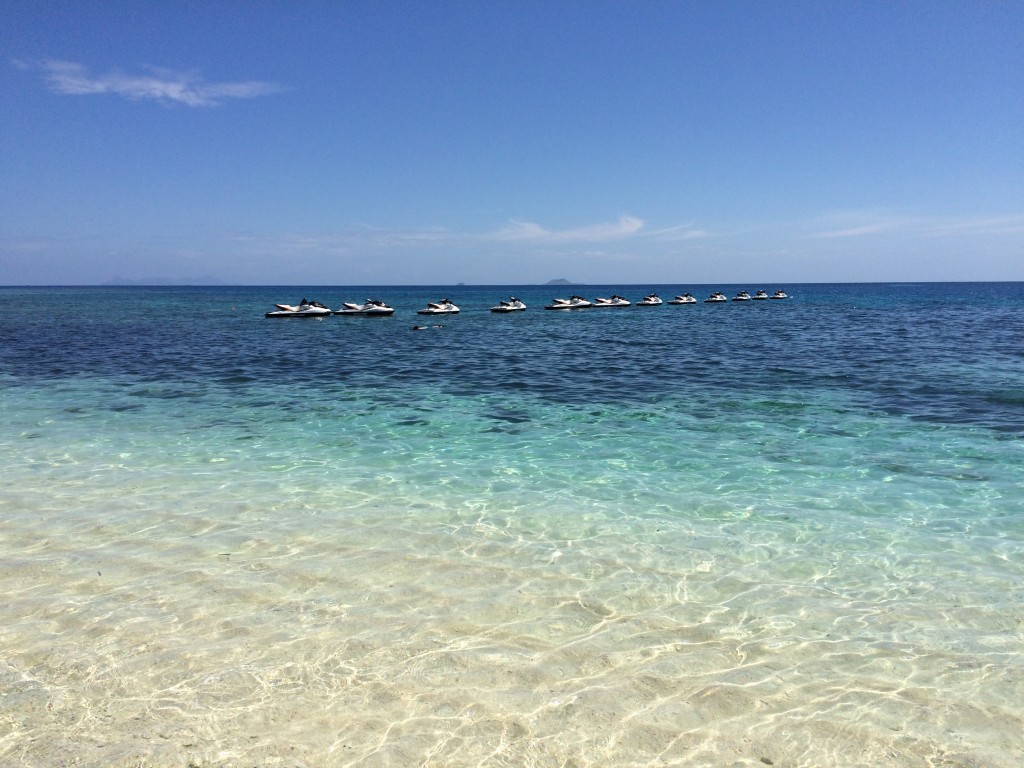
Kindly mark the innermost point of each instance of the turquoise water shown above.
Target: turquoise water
(782, 532)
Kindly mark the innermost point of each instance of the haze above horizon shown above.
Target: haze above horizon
(404, 143)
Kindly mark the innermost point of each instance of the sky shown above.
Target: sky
(432, 142)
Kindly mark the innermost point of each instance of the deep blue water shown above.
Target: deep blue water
(940, 353)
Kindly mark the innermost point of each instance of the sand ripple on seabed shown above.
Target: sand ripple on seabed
(384, 648)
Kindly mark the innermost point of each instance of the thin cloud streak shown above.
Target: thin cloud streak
(162, 85)
(526, 230)
(981, 225)
(859, 231)
(844, 224)
(681, 232)
(520, 233)
(920, 226)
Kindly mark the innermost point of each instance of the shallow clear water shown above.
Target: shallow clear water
(725, 535)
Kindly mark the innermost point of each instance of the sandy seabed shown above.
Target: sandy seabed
(197, 642)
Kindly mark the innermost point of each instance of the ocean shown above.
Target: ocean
(782, 533)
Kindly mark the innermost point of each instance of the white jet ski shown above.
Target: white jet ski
(303, 309)
(511, 304)
(614, 301)
(443, 307)
(741, 296)
(650, 300)
(684, 298)
(760, 296)
(370, 308)
(780, 295)
(574, 302)
(715, 298)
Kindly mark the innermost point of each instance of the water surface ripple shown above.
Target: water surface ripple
(785, 533)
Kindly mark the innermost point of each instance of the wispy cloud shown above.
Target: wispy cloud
(162, 85)
(517, 233)
(863, 224)
(526, 230)
(975, 225)
(857, 224)
(26, 245)
(681, 232)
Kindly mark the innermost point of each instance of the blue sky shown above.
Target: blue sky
(393, 142)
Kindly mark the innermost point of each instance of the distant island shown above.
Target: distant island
(559, 281)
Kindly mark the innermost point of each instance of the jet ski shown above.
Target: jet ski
(443, 307)
(741, 296)
(650, 300)
(614, 301)
(574, 302)
(715, 298)
(303, 309)
(370, 308)
(685, 298)
(511, 304)
(760, 296)
(780, 295)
